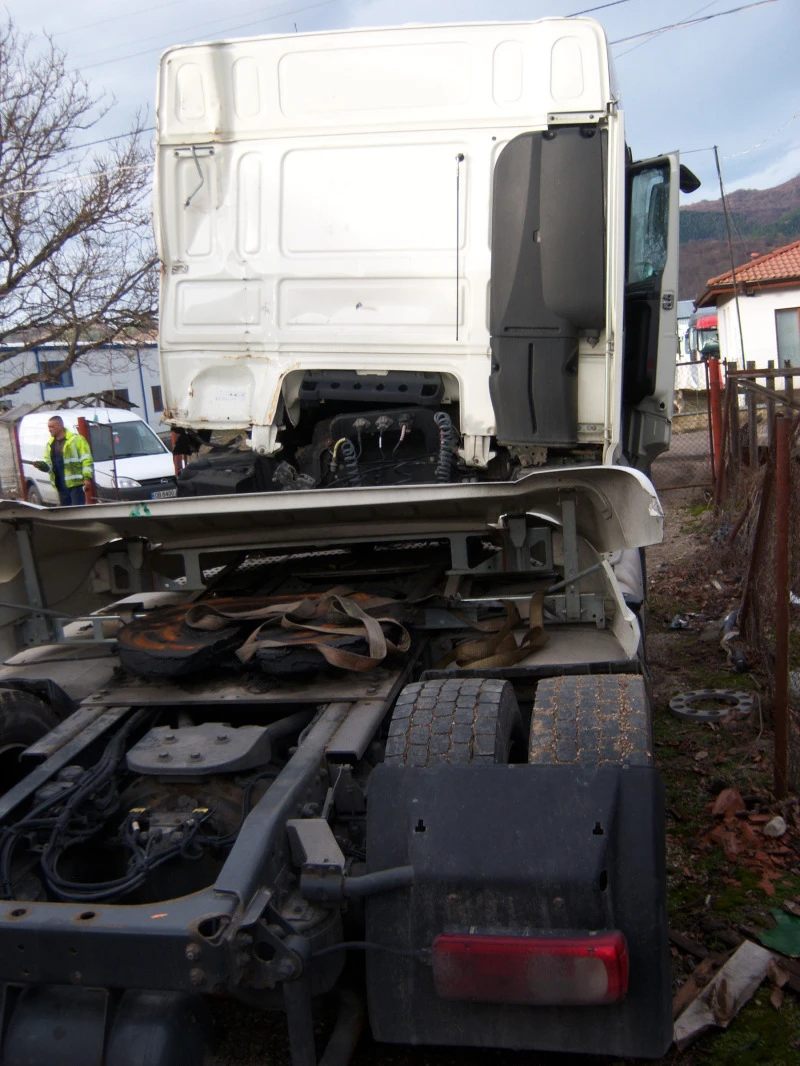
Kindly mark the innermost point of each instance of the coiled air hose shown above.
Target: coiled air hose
(444, 462)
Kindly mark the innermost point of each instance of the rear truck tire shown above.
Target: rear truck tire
(33, 494)
(591, 720)
(23, 719)
(58, 1025)
(463, 721)
(521, 851)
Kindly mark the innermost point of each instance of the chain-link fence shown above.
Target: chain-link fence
(688, 463)
(758, 495)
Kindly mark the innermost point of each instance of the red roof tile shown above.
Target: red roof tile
(781, 265)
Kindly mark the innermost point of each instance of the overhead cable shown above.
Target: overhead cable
(230, 29)
(691, 22)
(769, 137)
(658, 33)
(73, 179)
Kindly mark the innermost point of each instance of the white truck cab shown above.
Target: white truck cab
(364, 230)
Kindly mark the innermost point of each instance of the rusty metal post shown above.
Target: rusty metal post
(721, 482)
(83, 429)
(783, 435)
(788, 383)
(715, 407)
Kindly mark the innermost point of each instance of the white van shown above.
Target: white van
(130, 461)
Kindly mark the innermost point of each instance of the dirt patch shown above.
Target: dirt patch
(726, 875)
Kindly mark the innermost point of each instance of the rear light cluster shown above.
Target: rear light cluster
(553, 971)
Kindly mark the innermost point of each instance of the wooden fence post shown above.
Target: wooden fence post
(736, 437)
(771, 407)
(752, 426)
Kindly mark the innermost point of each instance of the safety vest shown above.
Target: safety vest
(78, 462)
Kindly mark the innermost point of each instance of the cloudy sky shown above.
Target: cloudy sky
(731, 80)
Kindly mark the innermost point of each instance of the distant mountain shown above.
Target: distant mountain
(761, 220)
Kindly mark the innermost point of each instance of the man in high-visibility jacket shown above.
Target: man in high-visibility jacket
(68, 460)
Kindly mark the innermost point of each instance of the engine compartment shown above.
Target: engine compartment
(103, 830)
(346, 429)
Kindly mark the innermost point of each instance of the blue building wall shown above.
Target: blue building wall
(130, 371)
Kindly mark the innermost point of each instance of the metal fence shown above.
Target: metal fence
(757, 492)
(688, 463)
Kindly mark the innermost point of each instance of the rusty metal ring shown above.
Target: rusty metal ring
(684, 705)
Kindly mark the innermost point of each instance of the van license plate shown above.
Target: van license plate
(163, 494)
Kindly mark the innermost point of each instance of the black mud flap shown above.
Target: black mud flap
(56, 1025)
(518, 850)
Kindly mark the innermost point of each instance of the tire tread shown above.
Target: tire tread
(459, 721)
(591, 720)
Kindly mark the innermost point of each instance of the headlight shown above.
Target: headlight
(127, 483)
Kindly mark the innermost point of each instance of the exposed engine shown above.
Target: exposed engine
(409, 439)
(152, 818)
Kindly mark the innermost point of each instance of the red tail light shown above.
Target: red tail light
(552, 971)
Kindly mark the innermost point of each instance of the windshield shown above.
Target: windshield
(707, 336)
(123, 440)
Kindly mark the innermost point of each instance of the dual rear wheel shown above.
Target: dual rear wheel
(586, 720)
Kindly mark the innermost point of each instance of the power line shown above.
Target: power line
(116, 18)
(730, 250)
(649, 34)
(600, 7)
(752, 148)
(659, 32)
(102, 140)
(769, 137)
(73, 179)
(691, 22)
(229, 29)
(251, 10)
(262, 19)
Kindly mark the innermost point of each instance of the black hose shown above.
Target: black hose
(444, 461)
(380, 881)
(350, 460)
(347, 1031)
(69, 826)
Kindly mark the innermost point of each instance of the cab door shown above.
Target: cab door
(651, 303)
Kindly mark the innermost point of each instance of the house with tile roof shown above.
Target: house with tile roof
(768, 290)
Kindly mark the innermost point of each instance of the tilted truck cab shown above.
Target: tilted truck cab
(362, 231)
(403, 722)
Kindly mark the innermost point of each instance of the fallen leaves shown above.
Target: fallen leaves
(754, 840)
(727, 803)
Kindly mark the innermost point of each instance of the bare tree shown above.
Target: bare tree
(77, 259)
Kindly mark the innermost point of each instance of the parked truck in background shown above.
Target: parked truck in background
(388, 733)
(701, 339)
